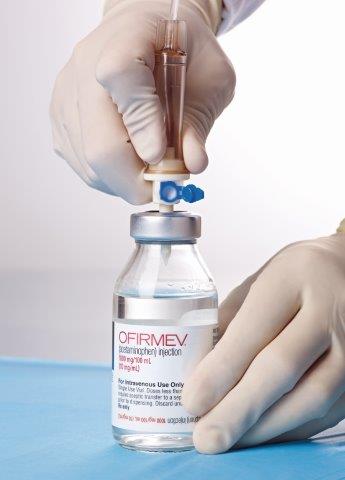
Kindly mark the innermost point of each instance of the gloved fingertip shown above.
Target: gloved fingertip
(154, 155)
(150, 147)
(194, 399)
(188, 403)
(210, 439)
(198, 162)
(194, 152)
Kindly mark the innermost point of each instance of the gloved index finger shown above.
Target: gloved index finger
(273, 373)
(271, 303)
(125, 70)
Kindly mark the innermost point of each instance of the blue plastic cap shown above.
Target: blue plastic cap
(170, 192)
(192, 194)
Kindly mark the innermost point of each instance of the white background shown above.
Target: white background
(276, 169)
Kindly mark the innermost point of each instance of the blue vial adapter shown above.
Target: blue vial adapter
(170, 192)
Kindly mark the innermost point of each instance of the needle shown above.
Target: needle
(174, 9)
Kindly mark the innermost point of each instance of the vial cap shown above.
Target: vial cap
(156, 226)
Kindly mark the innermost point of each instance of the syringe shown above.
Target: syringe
(170, 77)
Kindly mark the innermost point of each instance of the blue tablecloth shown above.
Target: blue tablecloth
(54, 424)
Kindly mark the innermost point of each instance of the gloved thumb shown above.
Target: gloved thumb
(194, 152)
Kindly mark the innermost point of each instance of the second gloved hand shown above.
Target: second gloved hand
(107, 119)
(278, 372)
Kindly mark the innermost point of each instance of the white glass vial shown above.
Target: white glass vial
(165, 322)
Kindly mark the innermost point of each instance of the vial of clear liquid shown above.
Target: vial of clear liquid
(165, 322)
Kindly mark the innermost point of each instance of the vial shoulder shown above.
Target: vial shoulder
(177, 288)
(162, 271)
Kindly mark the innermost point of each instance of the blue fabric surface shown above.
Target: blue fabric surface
(55, 424)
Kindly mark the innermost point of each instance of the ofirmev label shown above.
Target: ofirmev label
(150, 366)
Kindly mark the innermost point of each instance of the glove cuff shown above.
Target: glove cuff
(235, 11)
(210, 10)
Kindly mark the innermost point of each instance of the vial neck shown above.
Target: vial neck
(167, 242)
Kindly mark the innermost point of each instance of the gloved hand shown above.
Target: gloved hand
(107, 119)
(278, 372)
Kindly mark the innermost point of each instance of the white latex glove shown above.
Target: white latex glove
(107, 119)
(278, 371)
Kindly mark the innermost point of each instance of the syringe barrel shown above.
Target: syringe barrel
(170, 79)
